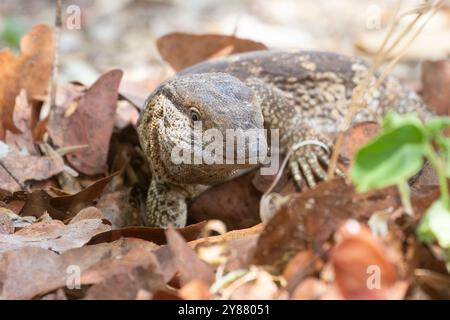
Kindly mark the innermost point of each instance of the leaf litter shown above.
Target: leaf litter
(78, 206)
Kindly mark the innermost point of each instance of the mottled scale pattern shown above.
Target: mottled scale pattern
(304, 94)
(318, 85)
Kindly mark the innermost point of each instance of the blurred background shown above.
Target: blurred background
(122, 33)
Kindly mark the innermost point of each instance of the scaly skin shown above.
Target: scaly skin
(304, 94)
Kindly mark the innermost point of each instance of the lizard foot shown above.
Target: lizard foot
(311, 161)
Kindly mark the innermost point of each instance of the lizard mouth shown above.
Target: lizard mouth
(236, 149)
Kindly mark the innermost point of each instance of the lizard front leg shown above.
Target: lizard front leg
(311, 156)
(165, 205)
(312, 149)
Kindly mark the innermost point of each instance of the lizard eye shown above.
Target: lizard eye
(195, 116)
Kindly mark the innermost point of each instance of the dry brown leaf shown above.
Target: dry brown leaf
(135, 93)
(62, 207)
(363, 265)
(235, 202)
(127, 286)
(155, 235)
(310, 218)
(31, 271)
(262, 287)
(136, 253)
(355, 137)
(189, 266)
(436, 84)
(309, 289)
(22, 117)
(57, 295)
(88, 213)
(20, 167)
(30, 71)
(90, 124)
(53, 235)
(230, 236)
(195, 290)
(299, 267)
(182, 50)
(6, 224)
(117, 207)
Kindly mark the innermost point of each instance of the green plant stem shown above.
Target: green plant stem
(403, 187)
(437, 164)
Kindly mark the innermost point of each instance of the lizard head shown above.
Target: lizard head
(186, 126)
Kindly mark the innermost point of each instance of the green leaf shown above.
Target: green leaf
(394, 121)
(436, 125)
(435, 225)
(444, 144)
(392, 157)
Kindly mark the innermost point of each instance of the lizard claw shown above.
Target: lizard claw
(310, 162)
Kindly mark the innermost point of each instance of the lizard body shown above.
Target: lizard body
(304, 94)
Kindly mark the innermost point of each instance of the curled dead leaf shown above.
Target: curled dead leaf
(82, 127)
(63, 207)
(30, 71)
(182, 50)
(155, 235)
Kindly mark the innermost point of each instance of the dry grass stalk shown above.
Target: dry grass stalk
(425, 10)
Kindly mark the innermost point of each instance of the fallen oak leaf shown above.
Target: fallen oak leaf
(30, 71)
(155, 235)
(182, 50)
(82, 127)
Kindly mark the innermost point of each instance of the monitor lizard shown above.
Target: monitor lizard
(303, 94)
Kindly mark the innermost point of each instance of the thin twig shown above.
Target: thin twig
(58, 25)
(402, 53)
